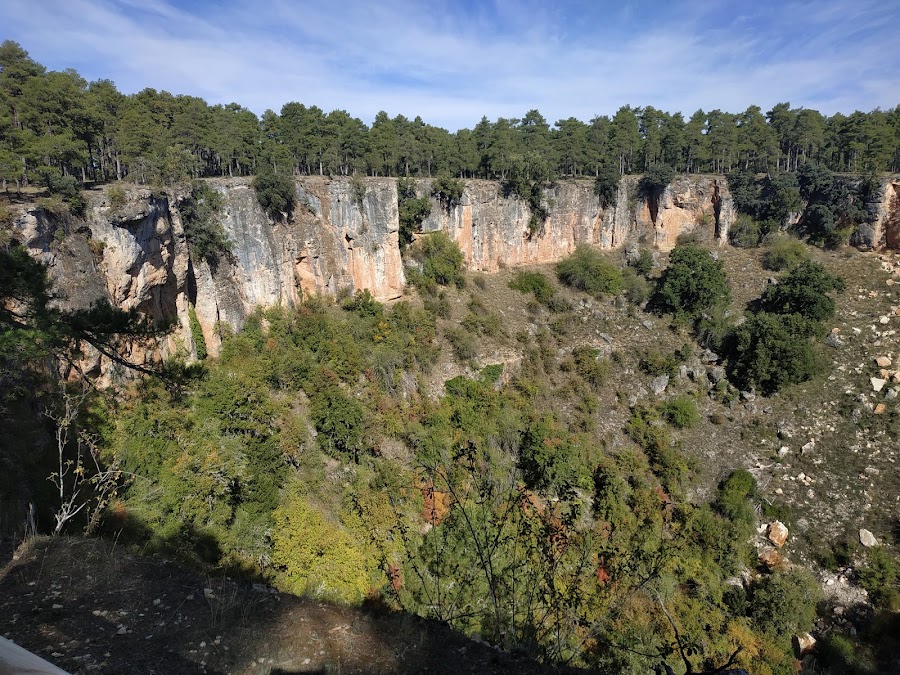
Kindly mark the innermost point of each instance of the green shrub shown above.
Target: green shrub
(363, 304)
(655, 363)
(586, 270)
(881, 578)
(693, 284)
(785, 253)
(772, 351)
(491, 373)
(358, 189)
(745, 232)
(463, 343)
(656, 179)
(785, 603)
(643, 263)
(441, 260)
(606, 184)
(339, 419)
(68, 189)
(592, 369)
(412, 209)
(316, 556)
(276, 193)
(681, 412)
(637, 288)
(804, 291)
(202, 228)
(535, 283)
(197, 333)
(117, 196)
(447, 190)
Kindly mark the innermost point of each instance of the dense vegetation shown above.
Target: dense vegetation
(56, 129)
(312, 453)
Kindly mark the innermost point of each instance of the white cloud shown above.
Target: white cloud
(452, 66)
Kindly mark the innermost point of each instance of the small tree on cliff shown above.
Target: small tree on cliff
(275, 192)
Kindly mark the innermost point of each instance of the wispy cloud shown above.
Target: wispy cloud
(453, 62)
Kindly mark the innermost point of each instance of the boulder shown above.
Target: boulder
(867, 539)
(883, 361)
(771, 558)
(658, 384)
(803, 644)
(877, 383)
(777, 533)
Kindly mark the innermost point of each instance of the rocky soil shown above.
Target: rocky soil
(90, 608)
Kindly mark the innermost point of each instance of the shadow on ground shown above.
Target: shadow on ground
(90, 607)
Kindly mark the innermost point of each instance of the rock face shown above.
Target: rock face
(492, 230)
(883, 227)
(133, 251)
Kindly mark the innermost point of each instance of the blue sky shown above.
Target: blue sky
(452, 62)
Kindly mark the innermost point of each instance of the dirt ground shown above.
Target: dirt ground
(90, 608)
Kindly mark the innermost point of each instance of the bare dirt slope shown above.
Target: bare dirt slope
(90, 608)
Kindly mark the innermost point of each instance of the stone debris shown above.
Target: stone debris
(867, 539)
(877, 383)
(883, 361)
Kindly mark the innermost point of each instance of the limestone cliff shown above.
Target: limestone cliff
(134, 252)
(492, 230)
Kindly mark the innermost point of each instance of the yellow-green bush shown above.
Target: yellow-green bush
(315, 555)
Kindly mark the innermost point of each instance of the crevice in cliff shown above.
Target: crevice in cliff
(892, 221)
(717, 208)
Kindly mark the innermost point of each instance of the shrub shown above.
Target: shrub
(358, 189)
(447, 190)
(804, 291)
(535, 283)
(464, 346)
(339, 419)
(116, 195)
(785, 603)
(734, 497)
(693, 283)
(276, 193)
(772, 351)
(413, 210)
(606, 185)
(68, 189)
(785, 253)
(363, 304)
(317, 556)
(593, 369)
(881, 578)
(656, 179)
(202, 229)
(637, 288)
(586, 270)
(197, 333)
(441, 259)
(655, 363)
(548, 459)
(745, 232)
(643, 262)
(681, 412)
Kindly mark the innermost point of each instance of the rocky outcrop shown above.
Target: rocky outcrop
(493, 230)
(342, 235)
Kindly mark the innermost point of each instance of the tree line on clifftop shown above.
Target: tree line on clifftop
(60, 131)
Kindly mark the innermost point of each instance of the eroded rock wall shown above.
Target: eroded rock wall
(133, 251)
(493, 230)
